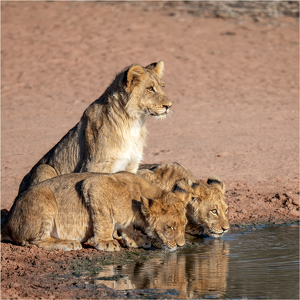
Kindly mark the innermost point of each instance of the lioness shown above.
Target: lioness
(207, 211)
(65, 211)
(111, 134)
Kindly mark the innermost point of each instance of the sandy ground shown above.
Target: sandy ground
(234, 88)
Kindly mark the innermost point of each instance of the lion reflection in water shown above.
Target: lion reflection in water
(193, 274)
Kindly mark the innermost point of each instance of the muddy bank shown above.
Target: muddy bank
(29, 272)
(32, 273)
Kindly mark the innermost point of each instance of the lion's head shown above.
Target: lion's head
(166, 217)
(145, 90)
(207, 211)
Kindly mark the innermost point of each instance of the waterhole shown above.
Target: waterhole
(261, 262)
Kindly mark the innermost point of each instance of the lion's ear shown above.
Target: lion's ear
(195, 187)
(217, 182)
(180, 190)
(159, 69)
(190, 182)
(198, 191)
(182, 185)
(145, 206)
(134, 76)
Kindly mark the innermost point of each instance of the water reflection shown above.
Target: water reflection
(260, 262)
(192, 273)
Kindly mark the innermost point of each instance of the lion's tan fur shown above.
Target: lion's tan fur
(166, 176)
(111, 134)
(207, 210)
(65, 211)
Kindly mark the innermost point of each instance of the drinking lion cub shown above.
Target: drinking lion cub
(206, 212)
(111, 134)
(65, 211)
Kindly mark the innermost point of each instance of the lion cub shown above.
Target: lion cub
(65, 211)
(206, 211)
(111, 135)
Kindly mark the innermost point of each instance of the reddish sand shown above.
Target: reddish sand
(234, 88)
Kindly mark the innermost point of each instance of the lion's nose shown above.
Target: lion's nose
(167, 106)
(225, 228)
(165, 102)
(181, 244)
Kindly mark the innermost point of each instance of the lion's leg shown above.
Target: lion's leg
(42, 173)
(103, 238)
(103, 225)
(51, 243)
(91, 240)
(42, 224)
(43, 220)
(134, 240)
(104, 231)
(33, 221)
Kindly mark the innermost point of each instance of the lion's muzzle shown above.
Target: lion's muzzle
(166, 103)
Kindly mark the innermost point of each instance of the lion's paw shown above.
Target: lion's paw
(139, 242)
(69, 245)
(91, 241)
(144, 242)
(108, 246)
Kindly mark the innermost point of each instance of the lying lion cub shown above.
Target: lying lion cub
(65, 211)
(111, 134)
(207, 210)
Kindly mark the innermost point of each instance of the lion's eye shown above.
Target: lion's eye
(226, 210)
(173, 228)
(214, 211)
(151, 89)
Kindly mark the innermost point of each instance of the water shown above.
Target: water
(257, 263)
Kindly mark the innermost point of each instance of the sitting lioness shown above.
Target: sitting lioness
(207, 211)
(65, 211)
(111, 134)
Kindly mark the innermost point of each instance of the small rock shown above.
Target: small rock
(223, 154)
(294, 213)
(295, 199)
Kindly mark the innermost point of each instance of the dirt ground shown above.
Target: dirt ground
(234, 84)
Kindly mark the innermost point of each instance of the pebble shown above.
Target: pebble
(223, 154)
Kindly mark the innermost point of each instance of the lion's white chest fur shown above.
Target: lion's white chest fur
(131, 148)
